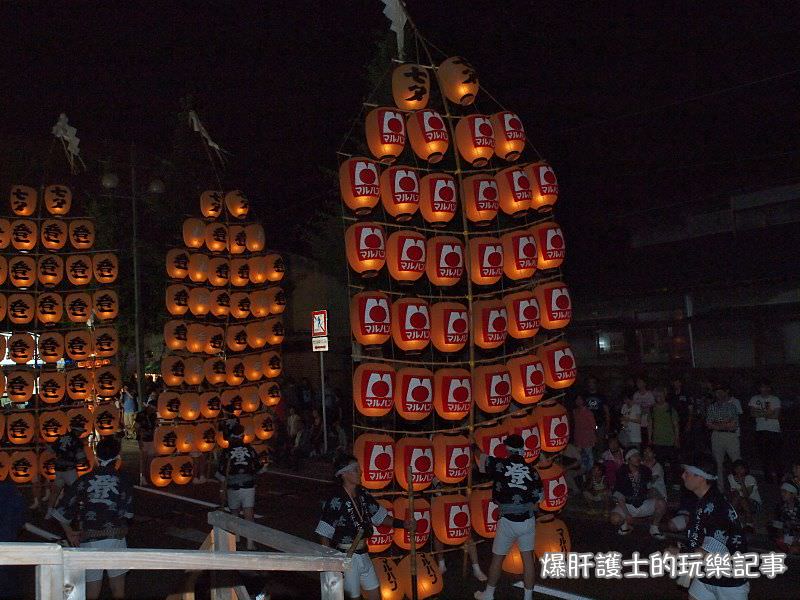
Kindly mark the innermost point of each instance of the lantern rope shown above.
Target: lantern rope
(480, 233)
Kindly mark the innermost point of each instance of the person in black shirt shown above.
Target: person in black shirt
(517, 490)
(634, 496)
(69, 453)
(349, 516)
(598, 404)
(237, 469)
(146, 420)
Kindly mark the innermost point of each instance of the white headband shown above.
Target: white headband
(105, 463)
(699, 472)
(353, 466)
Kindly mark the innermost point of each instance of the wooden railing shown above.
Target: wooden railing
(61, 572)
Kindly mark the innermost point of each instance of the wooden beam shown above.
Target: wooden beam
(331, 586)
(49, 582)
(30, 554)
(75, 582)
(222, 583)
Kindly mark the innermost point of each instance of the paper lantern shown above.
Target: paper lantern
(219, 272)
(81, 234)
(491, 440)
(215, 340)
(527, 379)
(205, 438)
(23, 466)
(527, 427)
(264, 424)
(258, 269)
(452, 396)
(359, 184)
(79, 269)
(275, 331)
(177, 299)
(20, 427)
(107, 381)
(250, 399)
(82, 419)
(451, 458)
(475, 139)
(411, 324)
(512, 563)
(274, 300)
(375, 454)
(79, 384)
(173, 370)
(240, 305)
(479, 198)
(210, 403)
(21, 308)
(413, 393)
(390, 585)
(175, 334)
(410, 86)
(405, 255)
(519, 254)
(552, 535)
(240, 272)
(50, 270)
(57, 199)
(106, 419)
(20, 348)
(194, 233)
(514, 191)
(22, 271)
(489, 323)
(553, 426)
(198, 267)
(276, 268)
(78, 344)
(105, 341)
(3, 307)
(429, 579)
(106, 267)
(271, 364)
(216, 237)
(554, 487)
(522, 310)
(234, 371)
(484, 512)
(422, 515)
(47, 464)
(161, 471)
(366, 248)
(386, 133)
(458, 80)
(5, 233)
(270, 393)
(165, 440)
(24, 234)
(49, 307)
(178, 263)
(19, 385)
(237, 239)
(23, 200)
(451, 519)
(253, 367)
(193, 370)
(418, 454)
(256, 240)
(549, 245)
(444, 260)
(438, 202)
(51, 347)
(54, 234)
(400, 192)
(211, 203)
(105, 304)
(214, 370)
(370, 318)
(427, 133)
(491, 385)
(3, 269)
(559, 365)
(373, 389)
(5, 458)
(168, 405)
(486, 260)
(555, 304)
(199, 301)
(183, 467)
(381, 538)
(185, 438)
(509, 135)
(237, 204)
(544, 186)
(449, 326)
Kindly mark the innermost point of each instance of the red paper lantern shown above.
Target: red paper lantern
(475, 139)
(444, 262)
(458, 80)
(359, 185)
(522, 309)
(490, 440)
(559, 365)
(411, 324)
(484, 511)
(486, 260)
(451, 519)
(373, 389)
(370, 318)
(422, 515)
(400, 192)
(413, 394)
(491, 385)
(416, 453)
(366, 248)
(375, 454)
(405, 255)
(479, 199)
(514, 188)
(527, 379)
(555, 303)
(549, 245)
(509, 135)
(519, 254)
(427, 133)
(410, 86)
(527, 427)
(451, 457)
(386, 133)
(545, 186)
(452, 396)
(553, 426)
(438, 201)
(381, 538)
(554, 486)
(489, 323)
(449, 326)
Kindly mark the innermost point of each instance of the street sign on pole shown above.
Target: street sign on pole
(319, 323)
(319, 343)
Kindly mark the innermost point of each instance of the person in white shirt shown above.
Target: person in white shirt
(657, 482)
(766, 409)
(630, 424)
(744, 493)
(645, 399)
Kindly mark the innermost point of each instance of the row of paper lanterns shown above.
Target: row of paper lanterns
(222, 303)
(220, 272)
(182, 438)
(190, 406)
(233, 370)
(219, 237)
(52, 386)
(403, 192)
(235, 201)
(23, 200)
(412, 323)
(408, 255)
(180, 469)
(50, 307)
(25, 234)
(77, 345)
(213, 339)
(24, 271)
(26, 466)
(22, 427)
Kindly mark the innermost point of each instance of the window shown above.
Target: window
(610, 342)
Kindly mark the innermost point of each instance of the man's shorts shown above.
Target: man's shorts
(700, 590)
(110, 544)
(647, 509)
(508, 532)
(361, 574)
(65, 478)
(242, 498)
(679, 522)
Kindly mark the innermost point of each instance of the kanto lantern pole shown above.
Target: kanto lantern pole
(413, 537)
(136, 296)
(322, 393)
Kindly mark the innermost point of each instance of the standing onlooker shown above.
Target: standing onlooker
(645, 399)
(236, 470)
(665, 435)
(630, 434)
(766, 408)
(293, 423)
(306, 394)
(613, 458)
(584, 434)
(722, 418)
(128, 413)
(598, 404)
(744, 493)
(145, 430)
(682, 403)
(69, 453)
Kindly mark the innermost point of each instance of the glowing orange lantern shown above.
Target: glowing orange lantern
(234, 371)
(20, 427)
(475, 139)
(522, 309)
(81, 418)
(479, 197)
(559, 365)
(492, 388)
(257, 334)
(193, 370)
(214, 370)
(57, 199)
(381, 538)
(79, 384)
(211, 203)
(250, 399)
(24, 234)
(458, 80)
(205, 437)
(509, 135)
(555, 303)
(370, 318)
(107, 381)
(177, 299)
(21, 308)
(22, 271)
(54, 234)
(199, 301)
(216, 237)
(259, 269)
(489, 323)
(161, 471)
(527, 379)
(19, 385)
(194, 233)
(438, 201)
(169, 405)
(405, 255)
(545, 186)
(449, 326)
(105, 267)
(486, 260)
(106, 419)
(375, 455)
(391, 587)
(173, 370)
(105, 341)
(23, 466)
(240, 272)
(49, 307)
(428, 135)
(272, 364)
(444, 260)
(185, 438)
(175, 333)
(275, 331)
(429, 579)
(275, 301)
(50, 270)
(484, 512)
(178, 263)
(400, 192)
(552, 535)
(79, 269)
(276, 267)
(554, 486)
(270, 393)
(512, 563)
(105, 304)
(23, 200)
(256, 240)
(219, 271)
(20, 347)
(553, 426)
(237, 204)
(549, 245)
(422, 515)
(183, 466)
(81, 234)
(527, 427)
(240, 305)
(358, 184)
(78, 344)
(410, 86)
(373, 389)
(51, 347)
(220, 303)
(413, 394)
(253, 367)
(451, 457)
(165, 440)
(264, 425)
(198, 267)
(47, 464)
(416, 453)
(490, 440)
(386, 133)
(411, 324)
(451, 519)
(196, 337)
(452, 396)
(514, 188)
(210, 403)
(519, 254)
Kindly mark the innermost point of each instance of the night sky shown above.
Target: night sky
(637, 105)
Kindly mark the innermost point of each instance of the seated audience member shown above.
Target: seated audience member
(744, 494)
(793, 476)
(688, 503)
(787, 523)
(613, 459)
(657, 472)
(596, 490)
(633, 496)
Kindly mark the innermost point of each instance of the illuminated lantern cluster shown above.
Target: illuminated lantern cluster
(224, 334)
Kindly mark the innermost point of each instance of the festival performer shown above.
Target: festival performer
(517, 491)
(69, 452)
(95, 512)
(349, 517)
(236, 470)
